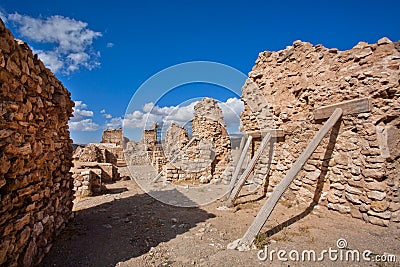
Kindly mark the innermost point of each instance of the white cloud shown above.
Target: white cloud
(72, 41)
(105, 114)
(51, 59)
(114, 123)
(231, 110)
(80, 104)
(80, 111)
(86, 125)
(109, 45)
(151, 113)
(148, 107)
(80, 121)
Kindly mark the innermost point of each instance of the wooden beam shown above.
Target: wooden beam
(249, 169)
(283, 185)
(349, 107)
(239, 164)
(274, 133)
(194, 138)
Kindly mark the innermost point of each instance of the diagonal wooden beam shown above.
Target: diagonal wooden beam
(239, 164)
(249, 169)
(271, 202)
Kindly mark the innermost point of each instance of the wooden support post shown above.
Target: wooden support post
(249, 169)
(176, 157)
(239, 164)
(269, 205)
(274, 132)
(242, 143)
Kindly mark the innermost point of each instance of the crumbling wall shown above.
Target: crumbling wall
(354, 171)
(149, 138)
(89, 153)
(206, 158)
(87, 182)
(136, 154)
(209, 124)
(175, 139)
(112, 136)
(98, 162)
(35, 154)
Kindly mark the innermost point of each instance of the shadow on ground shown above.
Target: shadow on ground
(120, 230)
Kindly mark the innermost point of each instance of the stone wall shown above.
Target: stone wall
(35, 154)
(149, 138)
(176, 138)
(354, 171)
(209, 124)
(112, 136)
(98, 162)
(206, 158)
(87, 182)
(136, 154)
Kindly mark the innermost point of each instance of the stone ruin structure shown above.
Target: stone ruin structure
(97, 163)
(207, 156)
(203, 156)
(35, 157)
(149, 138)
(355, 170)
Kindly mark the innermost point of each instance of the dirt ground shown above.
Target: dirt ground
(127, 227)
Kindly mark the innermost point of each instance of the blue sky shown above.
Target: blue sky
(104, 51)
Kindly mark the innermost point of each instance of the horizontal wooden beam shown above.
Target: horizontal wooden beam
(349, 107)
(274, 133)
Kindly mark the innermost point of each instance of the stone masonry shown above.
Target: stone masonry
(35, 154)
(355, 169)
(97, 163)
(206, 158)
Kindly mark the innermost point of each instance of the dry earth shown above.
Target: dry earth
(126, 227)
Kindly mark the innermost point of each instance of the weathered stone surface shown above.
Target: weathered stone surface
(36, 154)
(373, 173)
(353, 198)
(378, 186)
(363, 153)
(208, 157)
(378, 221)
(384, 215)
(384, 40)
(340, 208)
(379, 206)
(376, 195)
(355, 213)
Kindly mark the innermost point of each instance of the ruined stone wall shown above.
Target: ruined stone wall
(96, 164)
(208, 124)
(354, 171)
(87, 182)
(35, 154)
(149, 138)
(175, 139)
(136, 154)
(112, 136)
(206, 158)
